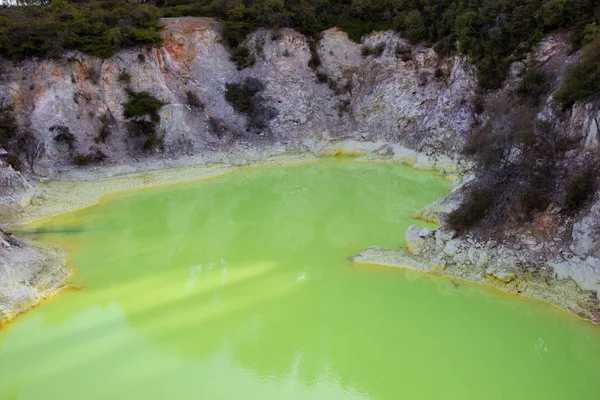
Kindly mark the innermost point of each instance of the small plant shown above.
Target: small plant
(103, 134)
(193, 100)
(63, 136)
(141, 58)
(439, 74)
(478, 105)
(242, 57)
(580, 190)
(533, 83)
(124, 77)
(286, 53)
(82, 160)
(240, 96)
(582, 79)
(315, 61)
(142, 104)
(322, 78)
(93, 75)
(375, 51)
(402, 52)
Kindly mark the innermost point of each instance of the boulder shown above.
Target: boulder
(414, 242)
(586, 234)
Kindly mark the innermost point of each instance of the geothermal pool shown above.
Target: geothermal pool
(240, 287)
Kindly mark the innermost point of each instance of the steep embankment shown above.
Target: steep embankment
(384, 97)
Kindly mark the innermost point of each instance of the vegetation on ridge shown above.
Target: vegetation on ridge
(96, 27)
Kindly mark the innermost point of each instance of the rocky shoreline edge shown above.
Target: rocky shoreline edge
(561, 281)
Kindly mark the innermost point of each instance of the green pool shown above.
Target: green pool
(240, 287)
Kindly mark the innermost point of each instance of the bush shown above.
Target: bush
(63, 136)
(98, 28)
(580, 190)
(322, 78)
(533, 84)
(93, 75)
(582, 79)
(375, 51)
(242, 57)
(315, 61)
(103, 134)
(124, 77)
(82, 160)
(145, 130)
(193, 100)
(142, 104)
(517, 167)
(240, 96)
(403, 53)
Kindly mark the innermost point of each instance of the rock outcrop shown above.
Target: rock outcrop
(566, 281)
(408, 95)
(29, 273)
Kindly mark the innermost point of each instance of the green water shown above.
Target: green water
(240, 287)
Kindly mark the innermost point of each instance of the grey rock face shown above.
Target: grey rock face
(14, 189)
(586, 234)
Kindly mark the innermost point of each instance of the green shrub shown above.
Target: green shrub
(240, 96)
(124, 77)
(315, 61)
(103, 134)
(402, 52)
(93, 75)
(322, 78)
(582, 79)
(375, 51)
(63, 136)
(581, 188)
(8, 125)
(193, 100)
(98, 28)
(82, 160)
(242, 57)
(533, 84)
(142, 104)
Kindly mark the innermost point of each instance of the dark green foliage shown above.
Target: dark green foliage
(580, 189)
(240, 96)
(146, 130)
(322, 78)
(82, 160)
(124, 77)
(582, 79)
(8, 125)
(403, 52)
(315, 61)
(96, 27)
(519, 167)
(533, 82)
(492, 32)
(63, 136)
(244, 98)
(375, 51)
(93, 75)
(193, 100)
(242, 57)
(478, 105)
(142, 104)
(18, 141)
(140, 128)
(103, 134)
